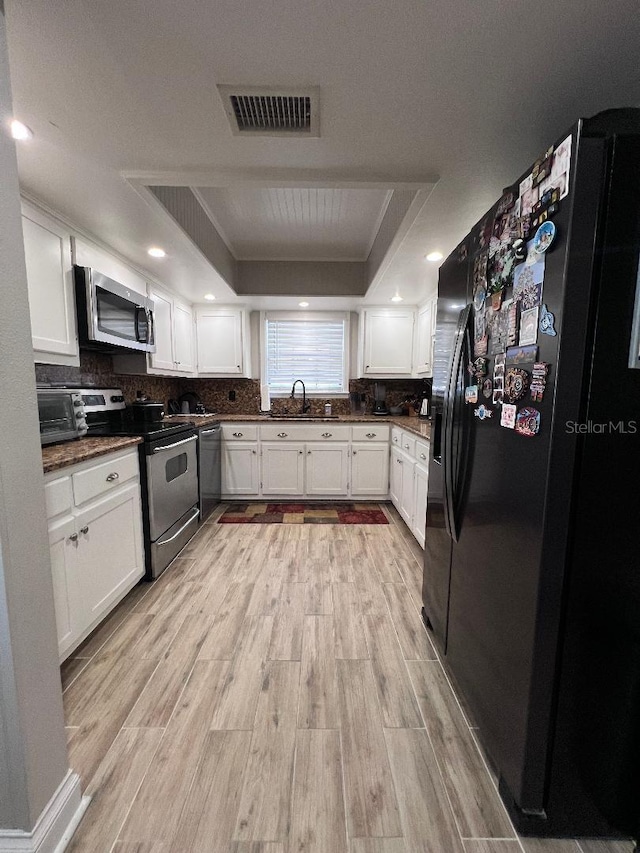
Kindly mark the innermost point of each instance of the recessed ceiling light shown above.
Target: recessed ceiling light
(303, 304)
(209, 297)
(20, 131)
(434, 256)
(156, 252)
(396, 298)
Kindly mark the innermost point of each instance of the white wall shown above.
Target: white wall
(33, 754)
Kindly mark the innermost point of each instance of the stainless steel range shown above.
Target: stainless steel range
(168, 469)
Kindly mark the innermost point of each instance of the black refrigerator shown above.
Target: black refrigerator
(532, 554)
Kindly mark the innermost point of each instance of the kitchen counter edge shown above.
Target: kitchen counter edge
(418, 427)
(57, 456)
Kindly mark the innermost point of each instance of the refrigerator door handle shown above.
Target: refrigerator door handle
(461, 337)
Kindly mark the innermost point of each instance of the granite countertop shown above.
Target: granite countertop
(415, 425)
(56, 456)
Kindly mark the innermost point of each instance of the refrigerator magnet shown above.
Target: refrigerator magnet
(516, 383)
(498, 396)
(480, 366)
(528, 327)
(508, 416)
(528, 280)
(539, 380)
(482, 412)
(487, 388)
(547, 320)
(544, 237)
(528, 421)
(519, 249)
(521, 355)
(471, 394)
(480, 346)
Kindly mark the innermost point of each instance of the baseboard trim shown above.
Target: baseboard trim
(56, 824)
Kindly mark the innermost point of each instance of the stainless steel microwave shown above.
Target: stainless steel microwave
(111, 315)
(62, 415)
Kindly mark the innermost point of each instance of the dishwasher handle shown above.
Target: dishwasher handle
(209, 431)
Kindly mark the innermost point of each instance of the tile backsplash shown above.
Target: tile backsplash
(97, 369)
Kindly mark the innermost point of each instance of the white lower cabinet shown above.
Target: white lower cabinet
(96, 547)
(327, 469)
(369, 469)
(421, 483)
(409, 477)
(240, 474)
(282, 468)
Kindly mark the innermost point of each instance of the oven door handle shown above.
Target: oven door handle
(175, 444)
(194, 514)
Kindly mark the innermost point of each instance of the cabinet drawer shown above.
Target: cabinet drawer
(371, 432)
(287, 431)
(239, 432)
(408, 444)
(104, 478)
(422, 453)
(58, 496)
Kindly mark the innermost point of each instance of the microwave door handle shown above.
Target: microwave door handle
(137, 321)
(150, 326)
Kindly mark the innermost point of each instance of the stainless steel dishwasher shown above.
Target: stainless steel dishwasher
(209, 468)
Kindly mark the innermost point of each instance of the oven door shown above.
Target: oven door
(172, 481)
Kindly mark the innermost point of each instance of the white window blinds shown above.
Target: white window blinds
(313, 350)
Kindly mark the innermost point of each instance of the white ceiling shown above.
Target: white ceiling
(411, 91)
(296, 223)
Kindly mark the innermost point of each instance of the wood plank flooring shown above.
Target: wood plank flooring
(275, 691)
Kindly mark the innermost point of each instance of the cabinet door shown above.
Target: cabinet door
(68, 605)
(219, 341)
(424, 334)
(406, 508)
(327, 469)
(47, 251)
(370, 469)
(395, 477)
(388, 342)
(282, 468)
(110, 555)
(421, 481)
(183, 338)
(240, 468)
(162, 358)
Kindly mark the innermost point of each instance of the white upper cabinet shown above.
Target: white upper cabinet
(425, 334)
(183, 337)
(174, 333)
(386, 336)
(222, 342)
(47, 252)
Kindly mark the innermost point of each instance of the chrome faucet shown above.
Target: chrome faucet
(305, 406)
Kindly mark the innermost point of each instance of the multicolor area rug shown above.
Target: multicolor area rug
(311, 513)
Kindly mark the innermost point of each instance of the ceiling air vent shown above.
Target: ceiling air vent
(275, 111)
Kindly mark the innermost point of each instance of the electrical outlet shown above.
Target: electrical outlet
(232, 396)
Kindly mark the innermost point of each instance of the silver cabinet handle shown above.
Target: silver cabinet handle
(422, 456)
(406, 447)
(283, 434)
(84, 529)
(399, 461)
(112, 477)
(175, 444)
(308, 452)
(327, 434)
(73, 537)
(254, 452)
(371, 435)
(238, 434)
(395, 440)
(354, 452)
(300, 452)
(238, 367)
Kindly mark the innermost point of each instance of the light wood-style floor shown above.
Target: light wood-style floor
(275, 691)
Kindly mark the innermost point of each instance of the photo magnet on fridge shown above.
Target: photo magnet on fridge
(521, 355)
(528, 327)
(528, 421)
(528, 280)
(471, 394)
(508, 416)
